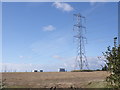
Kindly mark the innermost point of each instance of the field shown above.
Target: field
(55, 79)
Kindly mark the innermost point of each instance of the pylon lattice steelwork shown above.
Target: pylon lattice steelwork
(79, 29)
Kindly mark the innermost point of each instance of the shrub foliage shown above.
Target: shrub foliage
(112, 56)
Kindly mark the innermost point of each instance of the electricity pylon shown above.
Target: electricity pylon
(79, 29)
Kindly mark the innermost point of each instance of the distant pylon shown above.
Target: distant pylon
(79, 30)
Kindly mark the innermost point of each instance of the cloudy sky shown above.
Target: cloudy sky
(40, 35)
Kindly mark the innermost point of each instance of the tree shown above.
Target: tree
(104, 68)
(112, 56)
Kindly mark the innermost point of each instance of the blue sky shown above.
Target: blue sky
(40, 35)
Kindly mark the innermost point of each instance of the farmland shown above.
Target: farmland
(54, 79)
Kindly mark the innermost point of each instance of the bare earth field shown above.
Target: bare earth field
(53, 79)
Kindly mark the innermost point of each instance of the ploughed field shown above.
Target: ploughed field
(52, 79)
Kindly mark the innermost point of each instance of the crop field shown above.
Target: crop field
(54, 79)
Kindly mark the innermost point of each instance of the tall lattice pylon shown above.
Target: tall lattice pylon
(79, 30)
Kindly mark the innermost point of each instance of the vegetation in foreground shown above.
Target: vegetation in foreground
(113, 64)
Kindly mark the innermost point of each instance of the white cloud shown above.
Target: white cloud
(63, 6)
(70, 63)
(66, 62)
(49, 28)
(58, 57)
(21, 56)
(94, 6)
(20, 67)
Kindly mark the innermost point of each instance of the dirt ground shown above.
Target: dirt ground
(52, 79)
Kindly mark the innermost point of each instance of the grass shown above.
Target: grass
(98, 84)
(16, 87)
(66, 79)
(93, 84)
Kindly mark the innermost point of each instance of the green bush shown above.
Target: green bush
(112, 56)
